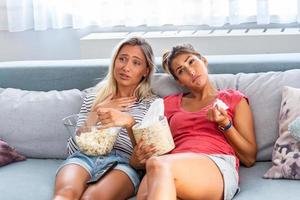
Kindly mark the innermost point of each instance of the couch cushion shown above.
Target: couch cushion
(40, 173)
(32, 179)
(286, 151)
(264, 92)
(32, 121)
(253, 186)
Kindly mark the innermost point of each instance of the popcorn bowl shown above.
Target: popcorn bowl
(91, 140)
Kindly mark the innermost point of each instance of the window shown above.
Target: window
(19, 15)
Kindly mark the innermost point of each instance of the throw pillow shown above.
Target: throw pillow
(31, 121)
(286, 151)
(9, 154)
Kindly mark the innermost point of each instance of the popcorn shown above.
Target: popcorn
(97, 142)
(154, 129)
(157, 134)
(220, 104)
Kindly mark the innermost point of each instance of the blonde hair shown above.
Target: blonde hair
(169, 56)
(109, 85)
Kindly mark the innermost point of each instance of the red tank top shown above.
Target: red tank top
(193, 132)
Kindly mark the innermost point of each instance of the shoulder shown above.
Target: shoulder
(88, 100)
(171, 103)
(172, 97)
(231, 92)
(89, 97)
(232, 97)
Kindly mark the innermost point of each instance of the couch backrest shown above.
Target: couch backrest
(52, 75)
(263, 90)
(68, 74)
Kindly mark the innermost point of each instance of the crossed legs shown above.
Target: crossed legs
(181, 176)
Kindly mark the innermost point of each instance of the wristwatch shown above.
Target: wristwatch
(225, 128)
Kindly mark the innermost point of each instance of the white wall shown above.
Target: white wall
(40, 45)
(66, 44)
(258, 41)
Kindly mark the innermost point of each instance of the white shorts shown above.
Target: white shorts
(226, 165)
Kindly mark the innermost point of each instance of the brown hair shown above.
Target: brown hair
(169, 56)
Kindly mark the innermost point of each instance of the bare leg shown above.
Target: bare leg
(185, 175)
(142, 193)
(116, 185)
(160, 180)
(70, 182)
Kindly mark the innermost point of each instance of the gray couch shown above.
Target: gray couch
(30, 116)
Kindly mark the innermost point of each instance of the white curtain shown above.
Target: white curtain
(20, 15)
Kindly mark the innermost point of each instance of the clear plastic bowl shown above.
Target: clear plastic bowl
(91, 140)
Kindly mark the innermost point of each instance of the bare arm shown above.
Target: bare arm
(242, 136)
(110, 117)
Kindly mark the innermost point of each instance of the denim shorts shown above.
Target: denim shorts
(94, 164)
(226, 165)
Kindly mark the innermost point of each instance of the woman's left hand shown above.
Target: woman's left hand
(141, 153)
(218, 115)
(110, 117)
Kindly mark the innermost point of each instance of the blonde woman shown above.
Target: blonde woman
(120, 100)
(212, 130)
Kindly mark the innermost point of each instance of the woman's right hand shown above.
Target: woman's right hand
(141, 153)
(121, 104)
(218, 115)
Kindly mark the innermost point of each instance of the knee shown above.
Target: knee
(141, 196)
(66, 192)
(87, 197)
(156, 164)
